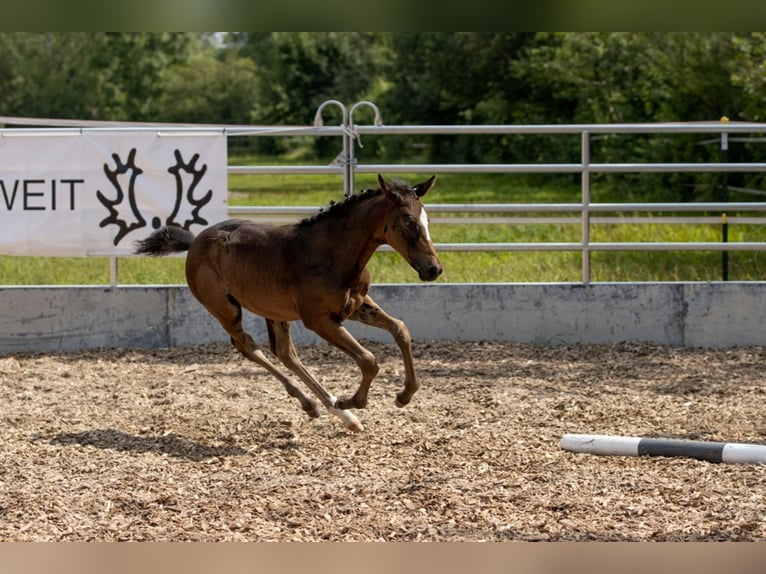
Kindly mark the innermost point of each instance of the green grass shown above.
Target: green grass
(319, 190)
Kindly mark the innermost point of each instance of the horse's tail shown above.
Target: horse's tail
(165, 240)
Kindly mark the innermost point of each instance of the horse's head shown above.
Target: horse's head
(406, 228)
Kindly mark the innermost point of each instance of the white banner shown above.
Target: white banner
(77, 193)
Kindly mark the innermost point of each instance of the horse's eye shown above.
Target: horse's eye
(410, 223)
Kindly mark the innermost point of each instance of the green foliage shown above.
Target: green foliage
(749, 73)
(297, 71)
(86, 75)
(207, 89)
(415, 78)
(49, 75)
(644, 77)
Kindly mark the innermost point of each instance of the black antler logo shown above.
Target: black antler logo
(112, 175)
(197, 175)
(135, 219)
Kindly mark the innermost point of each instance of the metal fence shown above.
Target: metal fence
(347, 166)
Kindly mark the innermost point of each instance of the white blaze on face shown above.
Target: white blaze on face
(424, 222)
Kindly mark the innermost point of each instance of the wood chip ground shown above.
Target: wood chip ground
(199, 444)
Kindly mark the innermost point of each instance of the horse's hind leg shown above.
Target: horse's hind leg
(283, 347)
(371, 314)
(228, 311)
(307, 403)
(245, 345)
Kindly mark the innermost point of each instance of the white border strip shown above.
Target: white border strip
(601, 444)
(734, 453)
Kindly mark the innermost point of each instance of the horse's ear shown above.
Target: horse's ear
(422, 188)
(391, 194)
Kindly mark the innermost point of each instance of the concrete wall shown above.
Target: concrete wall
(681, 314)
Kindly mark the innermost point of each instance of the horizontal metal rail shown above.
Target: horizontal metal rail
(526, 207)
(531, 220)
(574, 129)
(714, 127)
(562, 168)
(596, 246)
(284, 169)
(554, 246)
(541, 168)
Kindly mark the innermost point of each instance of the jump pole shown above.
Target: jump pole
(610, 445)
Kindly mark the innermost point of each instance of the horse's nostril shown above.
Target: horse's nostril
(429, 273)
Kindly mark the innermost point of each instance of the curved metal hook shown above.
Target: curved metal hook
(319, 122)
(378, 118)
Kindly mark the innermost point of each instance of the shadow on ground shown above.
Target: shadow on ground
(170, 444)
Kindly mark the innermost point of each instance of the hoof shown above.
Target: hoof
(349, 419)
(355, 427)
(312, 409)
(402, 402)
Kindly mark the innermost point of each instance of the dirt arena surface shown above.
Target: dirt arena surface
(198, 444)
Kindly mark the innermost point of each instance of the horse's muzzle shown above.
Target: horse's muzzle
(431, 273)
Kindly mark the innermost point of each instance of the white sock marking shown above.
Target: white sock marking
(349, 419)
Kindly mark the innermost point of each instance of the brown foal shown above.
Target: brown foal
(315, 271)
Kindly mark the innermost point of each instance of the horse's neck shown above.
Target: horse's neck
(359, 233)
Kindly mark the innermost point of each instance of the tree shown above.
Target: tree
(455, 78)
(131, 65)
(84, 75)
(749, 74)
(207, 89)
(49, 75)
(642, 77)
(297, 71)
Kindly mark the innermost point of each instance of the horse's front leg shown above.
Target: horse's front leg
(334, 333)
(371, 314)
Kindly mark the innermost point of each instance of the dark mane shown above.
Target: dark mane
(338, 210)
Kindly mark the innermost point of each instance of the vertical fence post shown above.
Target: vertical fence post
(348, 173)
(113, 274)
(724, 199)
(585, 184)
(352, 135)
(347, 145)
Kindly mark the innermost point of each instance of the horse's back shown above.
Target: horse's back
(249, 261)
(234, 227)
(236, 234)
